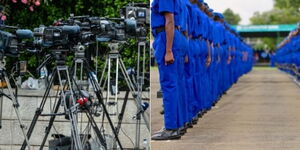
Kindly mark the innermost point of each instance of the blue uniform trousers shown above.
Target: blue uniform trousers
(190, 77)
(171, 79)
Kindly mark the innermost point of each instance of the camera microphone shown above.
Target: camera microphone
(24, 34)
(71, 29)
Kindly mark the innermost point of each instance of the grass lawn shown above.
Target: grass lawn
(153, 68)
(264, 68)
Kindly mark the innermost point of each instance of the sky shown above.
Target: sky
(245, 8)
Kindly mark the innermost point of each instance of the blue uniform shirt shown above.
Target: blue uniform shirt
(195, 17)
(190, 21)
(201, 29)
(161, 6)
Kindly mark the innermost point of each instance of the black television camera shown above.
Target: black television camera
(11, 43)
(141, 13)
(57, 37)
(104, 29)
(137, 11)
(133, 23)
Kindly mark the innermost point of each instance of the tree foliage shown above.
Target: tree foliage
(283, 4)
(231, 17)
(276, 16)
(55, 9)
(284, 12)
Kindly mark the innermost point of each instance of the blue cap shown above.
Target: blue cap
(205, 4)
(216, 14)
(210, 10)
(200, 1)
(221, 16)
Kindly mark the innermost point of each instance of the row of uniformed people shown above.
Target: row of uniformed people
(288, 53)
(199, 57)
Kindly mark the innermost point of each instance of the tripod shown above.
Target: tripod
(12, 97)
(79, 62)
(71, 107)
(136, 88)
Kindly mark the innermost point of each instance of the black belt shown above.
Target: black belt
(162, 29)
(197, 37)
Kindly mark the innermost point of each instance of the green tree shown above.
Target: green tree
(294, 4)
(231, 17)
(52, 10)
(284, 12)
(276, 16)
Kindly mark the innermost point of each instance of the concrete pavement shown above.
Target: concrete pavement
(260, 112)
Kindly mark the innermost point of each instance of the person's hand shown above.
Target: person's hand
(169, 58)
(186, 59)
(229, 60)
(208, 61)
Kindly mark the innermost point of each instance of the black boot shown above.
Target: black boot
(189, 125)
(182, 130)
(162, 112)
(200, 114)
(195, 120)
(167, 135)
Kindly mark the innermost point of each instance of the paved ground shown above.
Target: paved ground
(260, 112)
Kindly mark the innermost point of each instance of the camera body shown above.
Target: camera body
(12, 43)
(140, 12)
(105, 29)
(8, 44)
(85, 30)
(137, 11)
(57, 36)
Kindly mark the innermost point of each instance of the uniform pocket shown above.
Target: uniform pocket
(159, 48)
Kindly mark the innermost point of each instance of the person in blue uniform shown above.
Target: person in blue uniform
(219, 54)
(166, 21)
(206, 57)
(183, 92)
(199, 65)
(287, 55)
(191, 66)
(202, 75)
(212, 61)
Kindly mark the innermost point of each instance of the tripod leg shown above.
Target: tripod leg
(93, 122)
(1, 105)
(16, 106)
(50, 124)
(100, 98)
(103, 73)
(138, 98)
(121, 115)
(39, 110)
(73, 108)
(138, 131)
(96, 129)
